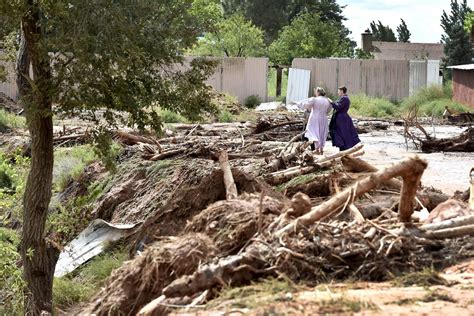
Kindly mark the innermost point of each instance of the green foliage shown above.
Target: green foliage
(304, 38)
(469, 23)
(69, 163)
(233, 37)
(431, 101)
(225, 117)
(456, 41)
(15, 168)
(382, 32)
(362, 54)
(245, 116)
(83, 283)
(169, 116)
(208, 12)
(9, 120)
(11, 280)
(403, 32)
(252, 101)
(365, 106)
(271, 82)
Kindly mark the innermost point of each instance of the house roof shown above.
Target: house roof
(463, 67)
(407, 51)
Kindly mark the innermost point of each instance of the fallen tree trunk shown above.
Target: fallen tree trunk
(462, 143)
(230, 187)
(167, 154)
(131, 139)
(410, 169)
(450, 223)
(466, 230)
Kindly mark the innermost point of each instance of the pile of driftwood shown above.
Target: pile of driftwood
(250, 236)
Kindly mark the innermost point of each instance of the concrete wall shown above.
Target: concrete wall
(463, 86)
(9, 86)
(380, 78)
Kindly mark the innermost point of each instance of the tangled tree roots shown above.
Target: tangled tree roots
(231, 224)
(141, 280)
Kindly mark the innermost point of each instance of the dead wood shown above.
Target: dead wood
(167, 154)
(466, 230)
(265, 125)
(450, 223)
(356, 214)
(462, 143)
(230, 188)
(131, 139)
(410, 169)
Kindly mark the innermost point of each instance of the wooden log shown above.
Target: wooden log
(230, 187)
(466, 230)
(131, 139)
(352, 164)
(167, 154)
(289, 143)
(409, 166)
(155, 307)
(356, 214)
(450, 223)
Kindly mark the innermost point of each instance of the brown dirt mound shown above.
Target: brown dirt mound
(230, 224)
(141, 280)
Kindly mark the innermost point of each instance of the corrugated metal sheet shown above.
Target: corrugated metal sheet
(418, 75)
(298, 85)
(396, 77)
(432, 73)
(463, 67)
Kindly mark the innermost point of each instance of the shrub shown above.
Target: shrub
(362, 105)
(252, 101)
(10, 120)
(69, 163)
(226, 117)
(168, 116)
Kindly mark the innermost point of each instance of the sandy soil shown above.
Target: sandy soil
(446, 171)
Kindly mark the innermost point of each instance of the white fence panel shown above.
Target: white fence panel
(298, 85)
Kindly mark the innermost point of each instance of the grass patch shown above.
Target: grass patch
(9, 120)
(11, 279)
(344, 305)
(430, 101)
(246, 116)
(69, 163)
(254, 295)
(365, 106)
(83, 283)
(271, 82)
(426, 277)
(225, 117)
(305, 178)
(168, 116)
(437, 295)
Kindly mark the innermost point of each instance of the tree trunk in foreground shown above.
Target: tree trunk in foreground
(38, 256)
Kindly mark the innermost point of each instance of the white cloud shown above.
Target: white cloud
(422, 17)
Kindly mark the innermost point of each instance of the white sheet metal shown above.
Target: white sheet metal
(269, 106)
(88, 244)
(432, 73)
(298, 85)
(418, 75)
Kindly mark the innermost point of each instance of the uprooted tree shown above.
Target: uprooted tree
(85, 56)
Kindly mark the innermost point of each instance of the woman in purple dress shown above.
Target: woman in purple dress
(341, 128)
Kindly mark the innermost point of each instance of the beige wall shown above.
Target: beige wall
(381, 78)
(9, 87)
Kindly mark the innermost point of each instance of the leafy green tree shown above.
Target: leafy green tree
(456, 41)
(306, 36)
(382, 32)
(89, 55)
(232, 37)
(403, 32)
(469, 23)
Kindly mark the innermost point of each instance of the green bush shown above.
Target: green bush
(69, 163)
(365, 106)
(9, 120)
(11, 280)
(168, 116)
(252, 101)
(68, 292)
(226, 117)
(431, 101)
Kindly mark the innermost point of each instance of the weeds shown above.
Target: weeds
(168, 116)
(69, 163)
(365, 106)
(9, 120)
(225, 117)
(426, 277)
(344, 305)
(305, 178)
(252, 101)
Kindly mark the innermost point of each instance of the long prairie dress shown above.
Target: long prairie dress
(317, 128)
(343, 133)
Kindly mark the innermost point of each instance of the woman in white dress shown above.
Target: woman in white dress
(317, 127)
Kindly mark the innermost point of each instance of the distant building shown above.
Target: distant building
(401, 51)
(463, 84)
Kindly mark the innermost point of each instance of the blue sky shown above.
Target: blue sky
(422, 16)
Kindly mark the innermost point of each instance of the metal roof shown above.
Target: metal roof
(463, 67)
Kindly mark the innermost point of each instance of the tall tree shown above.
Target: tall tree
(232, 37)
(306, 36)
(87, 55)
(382, 32)
(403, 32)
(456, 41)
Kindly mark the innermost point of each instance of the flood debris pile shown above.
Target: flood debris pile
(221, 206)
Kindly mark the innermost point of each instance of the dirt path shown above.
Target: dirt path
(446, 171)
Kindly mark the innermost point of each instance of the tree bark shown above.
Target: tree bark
(230, 187)
(39, 257)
